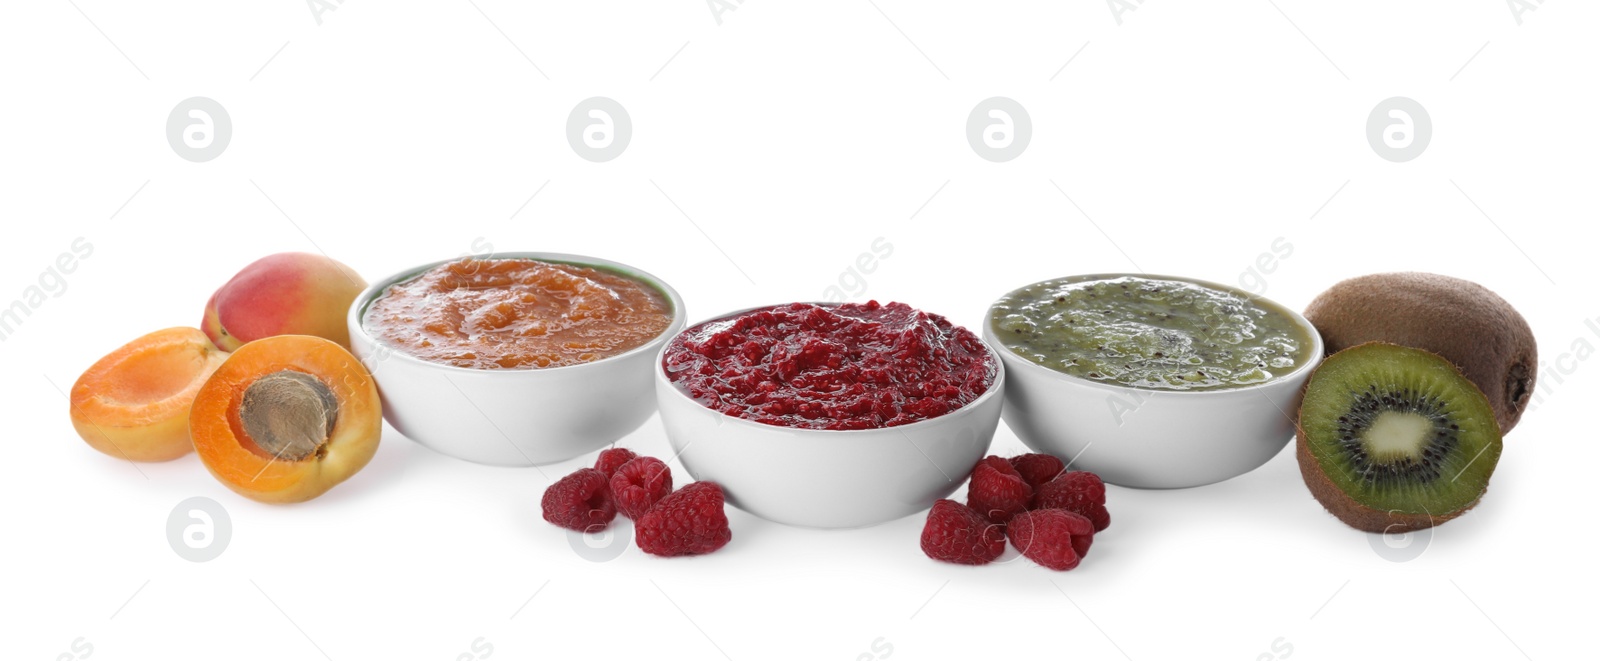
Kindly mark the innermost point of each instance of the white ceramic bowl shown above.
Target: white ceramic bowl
(515, 417)
(1153, 439)
(820, 478)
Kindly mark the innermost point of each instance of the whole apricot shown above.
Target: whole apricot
(290, 293)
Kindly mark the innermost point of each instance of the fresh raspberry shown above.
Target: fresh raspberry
(611, 459)
(955, 533)
(1036, 469)
(1057, 539)
(638, 484)
(1081, 492)
(689, 521)
(997, 490)
(580, 501)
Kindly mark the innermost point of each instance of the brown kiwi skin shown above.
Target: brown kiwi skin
(1346, 509)
(1359, 516)
(1486, 338)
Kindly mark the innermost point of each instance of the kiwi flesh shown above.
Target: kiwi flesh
(1393, 439)
(1463, 321)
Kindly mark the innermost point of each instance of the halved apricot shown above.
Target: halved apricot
(286, 418)
(134, 403)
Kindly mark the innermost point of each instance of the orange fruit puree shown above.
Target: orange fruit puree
(517, 314)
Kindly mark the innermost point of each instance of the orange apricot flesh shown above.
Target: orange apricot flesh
(134, 403)
(286, 418)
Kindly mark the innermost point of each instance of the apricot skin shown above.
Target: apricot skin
(240, 465)
(134, 403)
(162, 441)
(290, 293)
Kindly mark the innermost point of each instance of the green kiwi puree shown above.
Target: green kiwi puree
(1151, 333)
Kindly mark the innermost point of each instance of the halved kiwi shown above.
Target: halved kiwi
(1393, 438)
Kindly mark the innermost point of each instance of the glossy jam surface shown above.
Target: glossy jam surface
(517, 314)
(1151, 333)
(849, 366)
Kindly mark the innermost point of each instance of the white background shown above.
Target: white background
(791, 135)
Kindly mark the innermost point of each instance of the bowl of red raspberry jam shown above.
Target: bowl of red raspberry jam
(830, 415)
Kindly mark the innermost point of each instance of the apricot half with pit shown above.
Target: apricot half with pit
(286, 418)
(290, 293)
(134, 403)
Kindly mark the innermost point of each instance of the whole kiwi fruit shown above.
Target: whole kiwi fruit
(1460, 320)
(1392, 439)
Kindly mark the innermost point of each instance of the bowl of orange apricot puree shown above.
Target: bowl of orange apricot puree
(518, 359)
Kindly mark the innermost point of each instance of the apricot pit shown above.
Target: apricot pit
(289, 414)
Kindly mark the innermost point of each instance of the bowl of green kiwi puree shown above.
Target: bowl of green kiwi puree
(1154, 333)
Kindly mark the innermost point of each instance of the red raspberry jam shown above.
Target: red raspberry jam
(849, 366)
